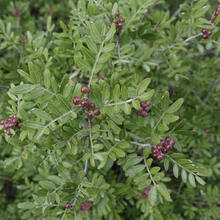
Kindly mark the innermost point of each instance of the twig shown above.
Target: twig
(4, 87)
(148, 170)
(132, 142)
(185, 41)
(176, 13)
(214, 84)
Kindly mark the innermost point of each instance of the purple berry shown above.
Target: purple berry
(90, 115)
(97, 111)
(68, 205)
(160, 157)
(85, 89)
(117, 13)
(84, 102)
(76, 100)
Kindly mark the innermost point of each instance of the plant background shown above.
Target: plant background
(58, 58)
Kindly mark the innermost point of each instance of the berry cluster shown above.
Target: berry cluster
(9, 123)
(117, 21)
(92, 110)
(146, 191)
(85, 207)
(206, 33)
(17, 13)
(162, 148)
(217, 11)
(144, 109)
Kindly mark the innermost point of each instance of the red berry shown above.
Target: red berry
(217, 11)
(209, 32)
(114, 21)
(119, 25)
(122, 20)
(68, 205)
(14, 121)
(168, 147)
(204, 31)
(155, 151)
(84, 102)
(10, 125)
(148, 103)
(102, 76)
(8, 132)
(76, 100)
(2, 122)
(160, 157)
(117, 13)
(168, 139)
(90, 115)
(85, 89)
(6, 126)
(147, 108)
(172, 142)
(144, 114)
(91, 106)
(212, 20)
(205, 36)
(162, 142)
(143, 104)
(159, 147)
(22, 148)
(97, 111)
(85, 207)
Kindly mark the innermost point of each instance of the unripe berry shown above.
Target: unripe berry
(76, 100)
(148, 103)
(117, 13)
(90, 115)
(68, 205)
(85, 207)
(85, 89)
(102, 76)
(97, 111)
(160, 157)
(84, 102)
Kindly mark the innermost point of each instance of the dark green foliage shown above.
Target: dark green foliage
(102, 164)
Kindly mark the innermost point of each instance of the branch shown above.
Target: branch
(185, 41)
(4, 87)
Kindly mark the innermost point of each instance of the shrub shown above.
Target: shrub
(110, 110)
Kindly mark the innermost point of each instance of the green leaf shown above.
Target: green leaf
(126, 108)
(114, 8)
(175, 170)
(164, 192)
(33, 124)
(143, 86)
(169, 118)
(47, 78)
(153, 195)
(184, 175)
(175, 106)
(56, 179)
(25, 75)
(111, 33)
(22, 89)
(136, 104)
(47, 185)
(26, 205)
(154, 170)
(147, 95)
(109, 47)
(95, 34)
(42, 114)
(192, 180)
(200, 180)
